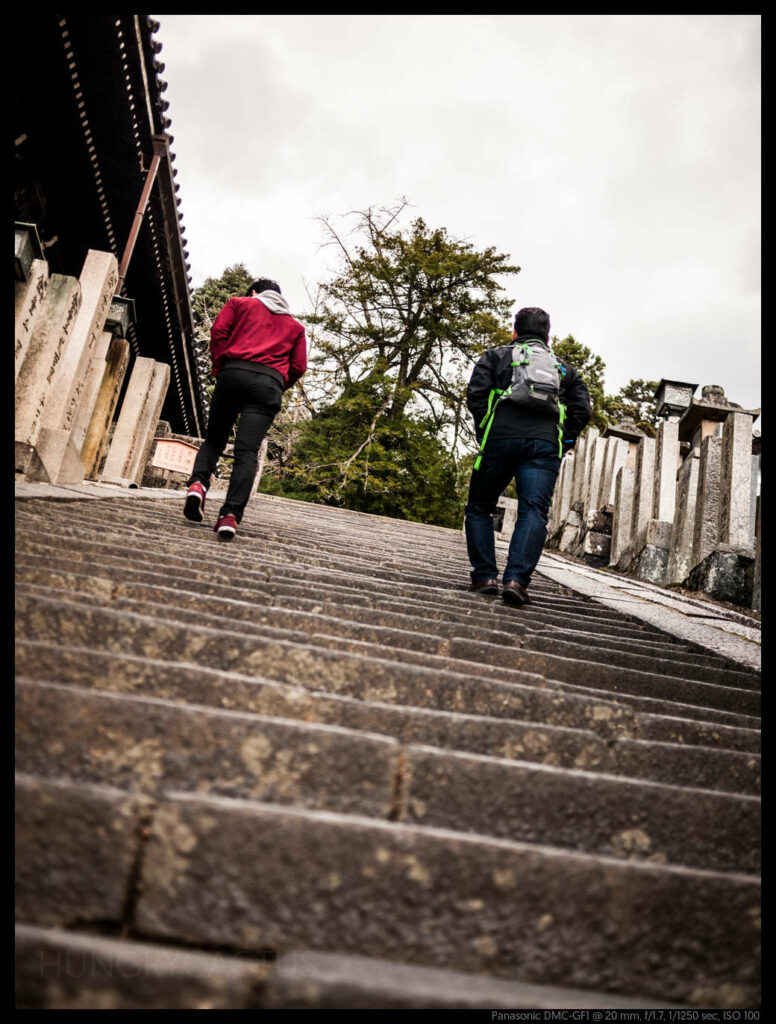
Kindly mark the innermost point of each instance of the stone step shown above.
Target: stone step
(76, 851)
(646, 929)
(286, 590)
(685, 731)
(148, 745)
(379, 627)
(679, 763)
(666, 708)
(314, 667)
(607, 676)
(464, 655)
(669, 665)
(145, 744)
(64, 970)
(654, 931)
(301, 664)
(270, 561)
(285, 660)
(681, 653)
(686, 761)
(58, 969)
(69, 574)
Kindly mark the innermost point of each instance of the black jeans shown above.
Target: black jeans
(256, 398)
(534, 466)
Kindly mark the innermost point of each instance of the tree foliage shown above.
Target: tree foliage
(395, 333)
(379, 423)
(410, 309)
(635, 401)
(214, 293)
(590, 367)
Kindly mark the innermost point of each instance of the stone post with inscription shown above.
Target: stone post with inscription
(55, 445)
(53, 328)
(133, 435)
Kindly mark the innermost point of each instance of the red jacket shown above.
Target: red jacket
(247, 329)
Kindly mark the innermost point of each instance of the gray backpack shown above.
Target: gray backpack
(535, 387)
(535, 383)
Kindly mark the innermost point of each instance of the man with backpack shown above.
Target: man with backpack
(529, 408)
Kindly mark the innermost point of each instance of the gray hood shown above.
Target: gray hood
(274, 302)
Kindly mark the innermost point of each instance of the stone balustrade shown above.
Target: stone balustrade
(71, 362)
(680, 509)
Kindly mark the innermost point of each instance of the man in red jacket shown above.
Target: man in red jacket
(258, 351)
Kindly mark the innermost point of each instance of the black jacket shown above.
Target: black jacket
(493, 371)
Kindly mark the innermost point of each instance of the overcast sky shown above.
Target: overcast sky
(616, 159)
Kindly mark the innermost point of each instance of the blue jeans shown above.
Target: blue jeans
(534, 466)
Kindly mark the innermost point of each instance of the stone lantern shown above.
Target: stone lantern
(627, 430)
(705, 416)
(120, 316)
(27, 248)
(672, 398)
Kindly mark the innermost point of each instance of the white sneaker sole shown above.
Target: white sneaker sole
(226, 532)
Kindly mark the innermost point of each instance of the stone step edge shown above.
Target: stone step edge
(284, 982)
(611, 752)
(408, 748)
(461, 652)
(334, 611)
(385, 603)
(725, 906)
(535, 682)
(408, 782)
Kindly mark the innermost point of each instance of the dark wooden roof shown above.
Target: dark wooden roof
(88, 101)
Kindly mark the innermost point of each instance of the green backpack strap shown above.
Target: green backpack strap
(561, 421)
(488, 418)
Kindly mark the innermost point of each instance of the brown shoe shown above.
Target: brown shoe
(483, 587)
(514, 593)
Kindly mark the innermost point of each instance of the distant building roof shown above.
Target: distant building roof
(86, 112)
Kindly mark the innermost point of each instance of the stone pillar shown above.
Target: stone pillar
(29, 300)
(96, 437)
(643, 485)
(510, 517)
(706, 528)
(735, 480)
(94, 374)
(680, 551)
(136, 425)
(594, 453)
(53, 328)
(563, 488)
(623, 512)
(757, 580)
(553, 518)
(753, 500)
(579, 469)
(666, 466)
(616, 455)
(98, 279)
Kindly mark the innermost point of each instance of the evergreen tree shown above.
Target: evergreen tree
(635, 401)
(591, 368)
(395, 334)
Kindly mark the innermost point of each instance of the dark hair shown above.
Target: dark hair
(532, 320)
(264, 284)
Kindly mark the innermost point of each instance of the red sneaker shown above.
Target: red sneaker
(226, 527)
(194, 509)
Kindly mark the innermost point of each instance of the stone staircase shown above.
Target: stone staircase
(307, 769)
